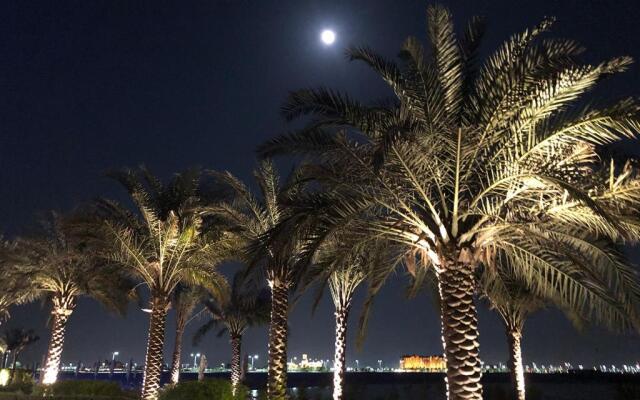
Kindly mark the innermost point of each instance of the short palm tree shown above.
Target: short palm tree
(247, 305)
(471, 161)
(514, 304)
(344, 264)
(163, 245)
(515, 301)
(253, 219)
(185, 301)
(16, 340)
(60, 265)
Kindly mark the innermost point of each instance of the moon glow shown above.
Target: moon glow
(328, 36)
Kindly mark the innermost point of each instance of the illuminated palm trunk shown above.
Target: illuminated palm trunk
(177, 355)
(154, 358)
(60, 313)
(236, 351)
(277, 373)
(516, 368)
(339, 365)
(460, 332)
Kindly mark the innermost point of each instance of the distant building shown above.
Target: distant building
(306, 363)
(422, 363)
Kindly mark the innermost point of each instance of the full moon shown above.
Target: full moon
(328, 36)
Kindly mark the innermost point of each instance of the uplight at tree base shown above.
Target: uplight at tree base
(50, 376)
(4, 377)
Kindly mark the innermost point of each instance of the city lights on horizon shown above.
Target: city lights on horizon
(304, 363)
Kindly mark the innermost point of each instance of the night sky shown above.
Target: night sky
(91, 85)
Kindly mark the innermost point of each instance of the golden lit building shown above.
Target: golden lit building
(422, 363)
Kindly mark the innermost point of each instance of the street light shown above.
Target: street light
(113, 355)
(380, 365)
(253, 358)
(357, 365)
(195, 356)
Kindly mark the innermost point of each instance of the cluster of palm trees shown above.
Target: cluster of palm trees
(13, 342)
(483, 180)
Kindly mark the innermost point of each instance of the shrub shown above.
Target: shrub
(21, 381)
(209, 389)
(84, 389)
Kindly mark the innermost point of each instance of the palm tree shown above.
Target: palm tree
(514, 301)
(163, 245)
(253, 219)
(345, 264)
(60, 265)
(13, 290)
(15, 341)
(185, 301)
(468, 163)
(247, 305)
(514, 304)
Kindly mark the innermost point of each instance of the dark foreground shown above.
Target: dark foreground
(585, 385)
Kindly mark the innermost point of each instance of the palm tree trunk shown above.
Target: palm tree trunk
(202, 368)
(516, 368)
(154, 358)
(177, 355)
(236, 351)
(460, 332)
(277, 373)
(60, 315)
(339, 365)
(13, 366)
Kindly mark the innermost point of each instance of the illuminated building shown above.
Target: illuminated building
(305, 364)
(422, 363)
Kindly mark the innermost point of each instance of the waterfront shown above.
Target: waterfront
(585, 385)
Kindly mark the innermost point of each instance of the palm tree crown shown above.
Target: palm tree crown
(163, 245)
(13, 289)
(59, 263)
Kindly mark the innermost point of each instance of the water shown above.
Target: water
(585, 385)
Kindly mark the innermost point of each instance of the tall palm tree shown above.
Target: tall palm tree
(163, 245)
(253, 219)
(469, 162)
(247, 305)
(59, 262)
(15, 341)
(185, 301)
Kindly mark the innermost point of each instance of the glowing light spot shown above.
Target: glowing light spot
(328, 36)
(4, 377)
